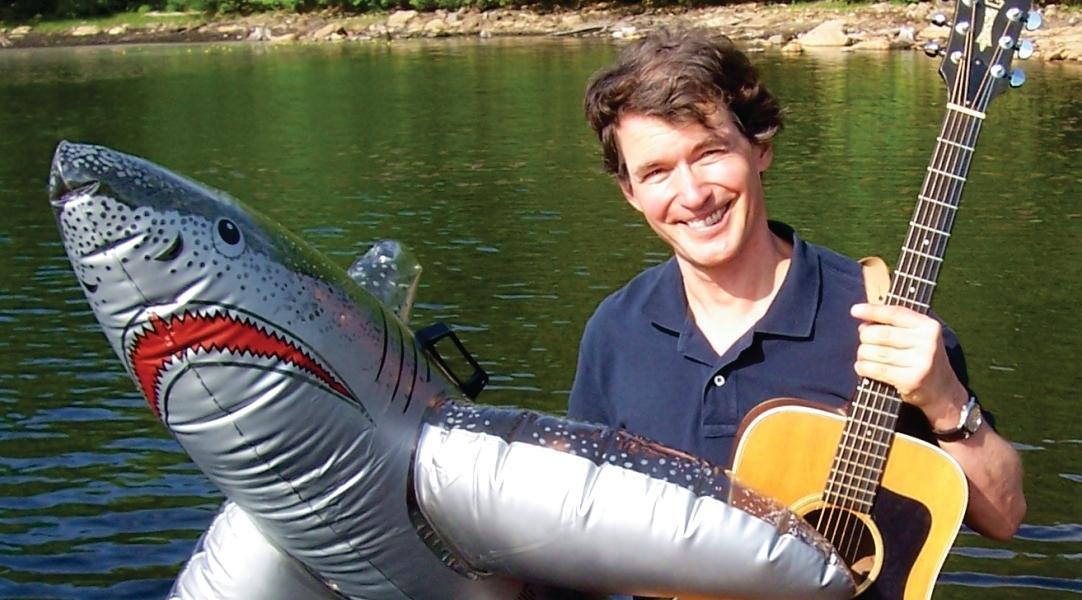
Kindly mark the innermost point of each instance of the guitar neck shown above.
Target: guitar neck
(869, 430)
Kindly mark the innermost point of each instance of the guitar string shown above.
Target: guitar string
(926, 262)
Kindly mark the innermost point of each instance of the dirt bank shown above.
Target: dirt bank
(871, 28)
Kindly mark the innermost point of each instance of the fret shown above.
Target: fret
(914, 278)
(859, 487)
(849, 503)
(943, 140)
(891, 395)
(845, 499)
(854, 477)
(864, 439)
(855, 489)
(946, 174)
(900, 299)
(923, 255)
(937, 202)
(916, 225)
(850, 450)
(878, 412)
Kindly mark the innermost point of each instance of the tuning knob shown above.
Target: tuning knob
(1025, 49)
(1018, 78)
(933, 49)
(939, 19)
(1034, 20)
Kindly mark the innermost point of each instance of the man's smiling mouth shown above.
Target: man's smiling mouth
(710, 219)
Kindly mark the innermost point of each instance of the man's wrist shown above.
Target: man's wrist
(968, 422)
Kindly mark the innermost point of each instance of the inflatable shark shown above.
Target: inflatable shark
(353, 465)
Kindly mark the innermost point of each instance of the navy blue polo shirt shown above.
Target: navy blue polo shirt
(646, 367)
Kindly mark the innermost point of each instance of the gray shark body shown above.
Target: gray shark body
(311, 406)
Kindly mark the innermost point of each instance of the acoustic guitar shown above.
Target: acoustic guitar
(892, 504)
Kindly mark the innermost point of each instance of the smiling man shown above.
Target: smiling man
(746, 310)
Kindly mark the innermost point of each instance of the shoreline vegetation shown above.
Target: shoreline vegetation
(789, 28)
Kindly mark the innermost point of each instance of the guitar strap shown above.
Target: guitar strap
(876, 278)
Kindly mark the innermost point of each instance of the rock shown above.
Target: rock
(399, 19)
(434, 28)
(20, 31)
(907, 34)
(118, 30)
(232, 28)
(4, 41)
(872, 45)
(288, 37)
(934, 32)
(625, 32)
(259, 34)
(827, 34)
(792, 47)
(86, 31)
(471, 23)
(570, 21)
(327, 30)
(776, 40)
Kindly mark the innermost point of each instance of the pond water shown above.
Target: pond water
(476, 155)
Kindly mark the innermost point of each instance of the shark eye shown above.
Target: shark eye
(227, 238)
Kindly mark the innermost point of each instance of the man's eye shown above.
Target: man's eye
(653, 175)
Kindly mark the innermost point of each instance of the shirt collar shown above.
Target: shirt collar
(791, 314)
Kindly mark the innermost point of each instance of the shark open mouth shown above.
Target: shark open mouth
(153, 348)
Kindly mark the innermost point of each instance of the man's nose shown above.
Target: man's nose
(691, 190)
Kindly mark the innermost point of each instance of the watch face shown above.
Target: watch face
(974, 420)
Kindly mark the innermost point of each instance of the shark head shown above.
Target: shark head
(181, 275)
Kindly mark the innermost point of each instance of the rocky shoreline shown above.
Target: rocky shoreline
(788, 28)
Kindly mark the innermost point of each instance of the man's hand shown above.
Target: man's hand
(904, 348)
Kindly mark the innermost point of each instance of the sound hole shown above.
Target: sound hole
(852, 536)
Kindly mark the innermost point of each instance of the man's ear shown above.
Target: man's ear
(629, 194)
(766, 156)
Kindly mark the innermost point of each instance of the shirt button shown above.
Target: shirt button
(719, 380)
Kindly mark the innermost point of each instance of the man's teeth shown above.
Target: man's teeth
(709, 219)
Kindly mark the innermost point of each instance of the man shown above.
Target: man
(745, 310)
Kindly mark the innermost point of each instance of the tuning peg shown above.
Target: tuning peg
(940, 19)
(933, 49)
(1034, 20)
(1006, 42)
(998, 71)
(1025, 49)
(1018, 78)
(956, 56)
(962, 27)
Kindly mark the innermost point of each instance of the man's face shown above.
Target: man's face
(698, 187)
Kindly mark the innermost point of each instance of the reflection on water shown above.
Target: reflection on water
(475, 155)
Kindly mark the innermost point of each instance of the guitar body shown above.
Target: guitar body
(785, 451)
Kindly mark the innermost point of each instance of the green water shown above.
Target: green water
(476, 155)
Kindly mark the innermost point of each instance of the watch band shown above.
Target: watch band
(969, 421)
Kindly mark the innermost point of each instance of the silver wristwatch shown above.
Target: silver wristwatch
(969, 421)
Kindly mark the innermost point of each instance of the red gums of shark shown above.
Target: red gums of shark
(166, 340)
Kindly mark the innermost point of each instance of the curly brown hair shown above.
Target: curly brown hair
(681, 76)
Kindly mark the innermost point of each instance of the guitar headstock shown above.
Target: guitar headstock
(985, 36)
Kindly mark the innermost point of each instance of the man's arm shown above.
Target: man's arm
(905, 349)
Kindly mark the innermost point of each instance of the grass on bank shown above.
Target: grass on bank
(132, 20)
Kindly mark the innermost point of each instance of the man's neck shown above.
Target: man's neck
(729, 299)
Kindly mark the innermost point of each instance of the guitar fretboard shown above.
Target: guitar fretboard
(869, 429)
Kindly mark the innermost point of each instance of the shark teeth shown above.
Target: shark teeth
(202, 329)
